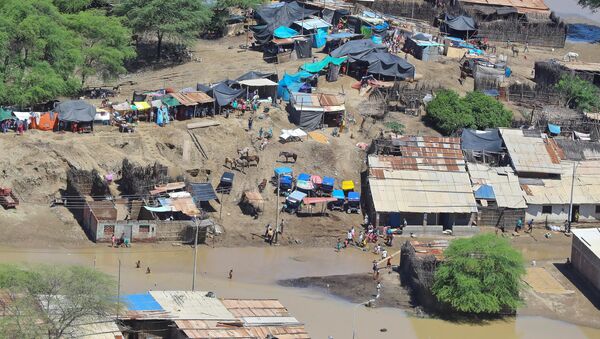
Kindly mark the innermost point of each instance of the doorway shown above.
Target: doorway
(575, 214)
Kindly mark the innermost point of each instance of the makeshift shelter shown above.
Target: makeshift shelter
(283, 50)
(265, 87)
(45, 121)
(488, 77)
(76, 111)
(6, 114)
(252, 203)
(481, 141)
(358, 49)
(461, 26)
(311, 111)
(422, 48)
(258, 75)
(316, 27)
(318, 66)
(291, 83)
(283, 32)
(272, 16)
(225, 95)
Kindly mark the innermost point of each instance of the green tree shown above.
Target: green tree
(396, 127)
(176, 19)
(579, 93)
(72, 6)
(105, 44)
(487, 112)
(38, 52)
(449, 113)
(480, 275)
(593, 4)
(50, 299)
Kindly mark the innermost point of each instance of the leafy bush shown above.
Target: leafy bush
(480, 275)
(395, 127)
(448, 112)
(579, 93)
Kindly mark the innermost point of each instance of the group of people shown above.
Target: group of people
(121, 241)
(518, 227)
(19, 126)
(371, 234)
(271, 234)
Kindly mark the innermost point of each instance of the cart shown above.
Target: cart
(226, 183)
(353, 204)
(293, 202)
(347, 186)
(338, 204)
(327, 186)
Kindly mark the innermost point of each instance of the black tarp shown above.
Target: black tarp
(202, 192)
(307, 120)
(223, 94)
(333, 72)
(272, 16)
(258, 75)
(488, 140)
(75, 110)
(303, 48)
(334, 16)
(461, 26)
(390, 65)
(357, 50)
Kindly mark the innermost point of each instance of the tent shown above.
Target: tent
(460, 26)
(6, 115)
(390, 65)
(311, 111)
(76, 110)
(488, 140)
(272, 16)
(225, 95)
(291, 83)
(358, 49)
(257, 75)
(45, 121)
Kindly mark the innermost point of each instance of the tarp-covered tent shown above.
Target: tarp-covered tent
(291, 83)
(316, 67)
(224, 95)
(488, 140)
(258, 75)
(6, 114)
(460, 26)
(46, 121)
(358, 49)
(390, 65)
(283, 32)
(76, 111)
(333, 16)
(302, 47)
(273, 16)
(311, 111)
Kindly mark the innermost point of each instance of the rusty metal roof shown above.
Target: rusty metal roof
(211, 330)
(199, 97)
(522, 6)
(416, 163)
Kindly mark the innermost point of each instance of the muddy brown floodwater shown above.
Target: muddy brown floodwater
(255, 275)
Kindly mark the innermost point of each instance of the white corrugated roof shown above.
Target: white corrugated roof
(312, 23)
(258, 82)
(504, 182)
(590, 237)
(191, 305)
(423, 192)
(558, 191)
(528, 154)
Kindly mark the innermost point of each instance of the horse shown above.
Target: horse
(230, 162)
(240, 164)
(262, 185)
(571, 56)
(251, 158)
(288, 155)
(243, 152)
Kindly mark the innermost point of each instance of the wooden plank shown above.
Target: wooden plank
(202, 124)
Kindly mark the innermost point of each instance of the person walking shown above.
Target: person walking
(529, 226)
(250, 121)
(230, 274)
(526, 49)
(519, 225)
(281, 224)
(378, 287)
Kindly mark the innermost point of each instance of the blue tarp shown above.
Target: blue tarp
(381, 27)
(285, 180)
(203, 191)
(283, 170)
(485, 192)
(353, 196)
(320, 38)
(328, 181)
(338, 194)
(284, 32)
(554, 129)
(342, 35)
(288, 81)
(303, 177)
(141, 302)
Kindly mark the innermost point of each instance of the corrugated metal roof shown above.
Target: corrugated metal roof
(520, 5)
(416, 163)
(586, 189)
(505, 183)
(191, 305)
(529, 154)
(199, 97)
(183, 99)
(312, 23)
(422, 192)
(94, 329)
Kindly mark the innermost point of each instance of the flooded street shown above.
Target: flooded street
(256, 271)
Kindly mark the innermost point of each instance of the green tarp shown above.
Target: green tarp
(6, 115)
(170, 102)
(316, 67)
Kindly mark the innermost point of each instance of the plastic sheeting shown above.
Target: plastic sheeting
(307, 120)
(386, 64)
(488, 140)
(554, 129)
(460, 23)
(289, 82)
(358, 49)
(320, 38)
(76, 110)
(224, 95)
(283, 32)
(256, 75)
(303, 49)
(272, 16)
(316, 67)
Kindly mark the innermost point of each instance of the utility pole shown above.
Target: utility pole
(195, 254)
(568, 230)
(277, 208)
(119, 289)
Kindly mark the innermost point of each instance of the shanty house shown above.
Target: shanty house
(199, 315)
(548, 73)
(427, 185)
(498, 194)
(423, 48)
(585, 254)
(531, 153)
(311, 111)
